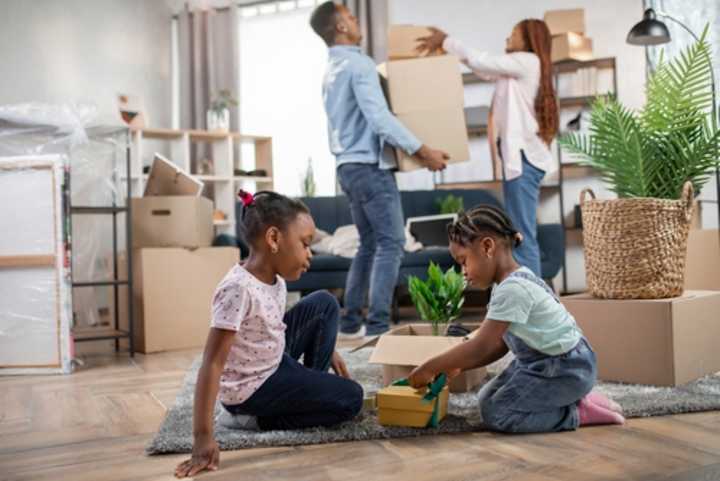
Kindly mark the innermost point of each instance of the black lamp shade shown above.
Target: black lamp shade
(649, 31)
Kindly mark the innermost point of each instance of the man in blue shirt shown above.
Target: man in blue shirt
(361, 131)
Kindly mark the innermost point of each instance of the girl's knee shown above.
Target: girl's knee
(351, 402)
(494, 417)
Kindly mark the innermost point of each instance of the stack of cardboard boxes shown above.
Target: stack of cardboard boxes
(567, 28)
(426, 94)
(175, 269)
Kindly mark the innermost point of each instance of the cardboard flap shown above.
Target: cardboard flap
(167, 178)
(410, 350)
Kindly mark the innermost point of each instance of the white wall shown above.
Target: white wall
(484, 24)
(87, 50)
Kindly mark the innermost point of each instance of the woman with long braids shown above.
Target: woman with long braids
(523, 120)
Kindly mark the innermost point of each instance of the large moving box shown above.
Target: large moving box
(702, 266)
(426, 94)
(662, 342)
(172, 295)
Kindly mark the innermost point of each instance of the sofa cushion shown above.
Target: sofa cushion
(327, 262)
(424, 257)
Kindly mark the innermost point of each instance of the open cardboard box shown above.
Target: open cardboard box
(406, 347)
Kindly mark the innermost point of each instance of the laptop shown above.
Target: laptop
(430, 230)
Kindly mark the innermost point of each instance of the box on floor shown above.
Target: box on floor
(662, 342)
(427, 96)
(406, 347)
(172, 295)
(702, 265)
(404, 406)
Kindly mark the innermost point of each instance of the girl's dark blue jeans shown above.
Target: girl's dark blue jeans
(305, 395)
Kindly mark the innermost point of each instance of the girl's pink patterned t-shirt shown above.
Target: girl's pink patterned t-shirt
(255, 311)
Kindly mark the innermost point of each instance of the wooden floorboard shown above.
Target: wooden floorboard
(94, 424)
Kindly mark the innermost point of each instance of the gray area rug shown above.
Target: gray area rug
(175, 434)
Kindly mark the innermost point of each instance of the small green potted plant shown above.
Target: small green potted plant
(218, 115)
(653, 159)
(450, 204)
(440, 298)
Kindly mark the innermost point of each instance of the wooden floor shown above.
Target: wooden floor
(93, 425)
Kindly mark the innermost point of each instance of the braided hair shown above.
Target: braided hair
(481, 221)
(266, 209)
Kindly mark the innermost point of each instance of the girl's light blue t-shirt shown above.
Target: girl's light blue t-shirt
(534, 315)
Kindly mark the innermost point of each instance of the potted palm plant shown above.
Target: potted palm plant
(440, 298)
(653, 159)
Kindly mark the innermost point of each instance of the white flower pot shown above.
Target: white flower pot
(218, 120)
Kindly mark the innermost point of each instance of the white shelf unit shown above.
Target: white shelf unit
(228, 151)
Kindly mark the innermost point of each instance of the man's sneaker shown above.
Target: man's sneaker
(377, 330)
(359, 334)
(237, 421)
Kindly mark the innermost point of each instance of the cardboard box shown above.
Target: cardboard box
(571, 46)
(565, 21)
(427, 96)
(172, 295)
(662, 342)
(702, 266)
(406, 347)
(402, 41)
(404, 406)
(172, 221)
(167, 178)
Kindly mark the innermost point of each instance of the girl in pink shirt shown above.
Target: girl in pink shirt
(251, 355)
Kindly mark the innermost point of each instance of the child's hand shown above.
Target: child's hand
(421, 377)
(205, 456)
(338, 365)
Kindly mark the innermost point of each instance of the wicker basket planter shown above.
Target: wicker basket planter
(635, 248)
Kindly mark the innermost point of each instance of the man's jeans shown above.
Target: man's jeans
(521, 196)
(297, 396)
(377, 213)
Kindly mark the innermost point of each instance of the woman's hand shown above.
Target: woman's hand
(421, 376)
(205, 457)
(338, 365)
(432, 43)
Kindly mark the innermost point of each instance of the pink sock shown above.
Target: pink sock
(592, 414)
(599, 400)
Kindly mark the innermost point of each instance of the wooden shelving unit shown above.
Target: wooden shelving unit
(576, 170)
(225, 151)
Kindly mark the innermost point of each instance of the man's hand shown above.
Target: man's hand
(338, 365)
(433, 159)
(432, 44)
(205, 457)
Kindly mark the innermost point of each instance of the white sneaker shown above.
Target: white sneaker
(359, 334)
(237, 421)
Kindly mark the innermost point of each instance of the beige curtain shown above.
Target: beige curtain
(208, 62)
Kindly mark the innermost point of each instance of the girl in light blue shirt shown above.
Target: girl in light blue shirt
(548, 385)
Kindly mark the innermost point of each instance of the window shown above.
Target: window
(282, 63)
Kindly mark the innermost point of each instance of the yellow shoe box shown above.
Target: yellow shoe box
(403, 406)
